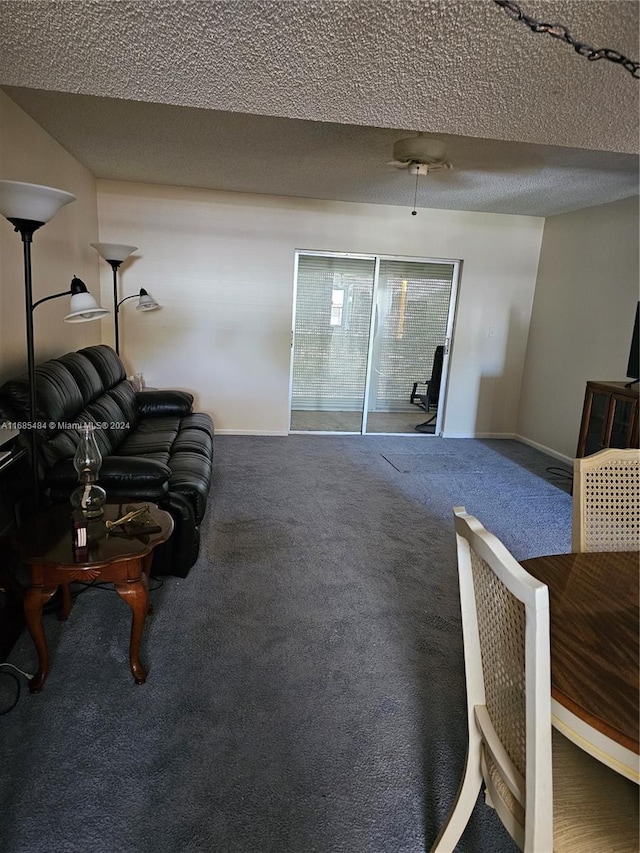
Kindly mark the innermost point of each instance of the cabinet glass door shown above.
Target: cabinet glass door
(621, 423)
(597, 424)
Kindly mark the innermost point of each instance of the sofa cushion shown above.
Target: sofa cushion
(126, 478)
(125, 397)
(148, 425)
(58, 398)
(86, 376)
(60, 446)
(107, 363)
(112, 421)
(193, 441)
(198, 420)
(142, 442)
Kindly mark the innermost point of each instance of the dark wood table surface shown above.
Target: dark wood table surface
(593, 600)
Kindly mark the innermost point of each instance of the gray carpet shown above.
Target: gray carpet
(305, 690)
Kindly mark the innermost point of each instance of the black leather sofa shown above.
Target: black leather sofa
(154, 447)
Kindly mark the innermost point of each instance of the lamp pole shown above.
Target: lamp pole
(114, 254)
(26, 228)
(28, 207)
(115, 265)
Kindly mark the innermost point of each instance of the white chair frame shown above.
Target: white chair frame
(534, 792)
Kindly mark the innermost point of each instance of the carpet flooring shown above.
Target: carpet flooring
(306, 681)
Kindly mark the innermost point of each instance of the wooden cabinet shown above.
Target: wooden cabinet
(609, 417)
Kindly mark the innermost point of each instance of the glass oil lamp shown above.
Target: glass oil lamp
(88, 496)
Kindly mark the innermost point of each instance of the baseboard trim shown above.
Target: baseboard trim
(251, 432)
(514, 436)
(568, 460)
(479, 435)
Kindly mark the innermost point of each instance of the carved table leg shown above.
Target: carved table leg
(35, 598)
(136, 595)
(147, 562)
(146, 568)
(65, 610)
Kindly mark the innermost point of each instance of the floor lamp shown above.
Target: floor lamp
(114, 254)
(29, 207)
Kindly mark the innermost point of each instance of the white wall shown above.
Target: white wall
(583, 312)
(60, 249)
(221, 264)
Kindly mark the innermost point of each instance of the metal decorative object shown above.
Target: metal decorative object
(130, 516)
(559, 31)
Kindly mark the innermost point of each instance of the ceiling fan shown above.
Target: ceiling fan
(419, 155)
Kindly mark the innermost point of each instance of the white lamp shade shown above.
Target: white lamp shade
(31, 201)
(146, 302)
(84, 308)
(113, 251)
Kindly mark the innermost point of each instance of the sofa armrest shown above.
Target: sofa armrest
(160, 404)
(126, 477)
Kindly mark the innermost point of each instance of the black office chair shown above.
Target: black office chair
(429, 399)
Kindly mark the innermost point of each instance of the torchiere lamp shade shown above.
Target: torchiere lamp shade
(33, 202)
(113, 251)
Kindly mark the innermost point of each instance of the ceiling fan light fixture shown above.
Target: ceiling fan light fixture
(418, 168)
(419, 155)
(426, 150)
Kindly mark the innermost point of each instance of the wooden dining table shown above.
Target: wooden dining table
(593, 603)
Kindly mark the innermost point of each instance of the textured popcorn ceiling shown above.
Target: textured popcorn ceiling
(306, 98)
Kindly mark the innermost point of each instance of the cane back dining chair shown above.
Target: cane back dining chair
(606, 501)
(549, 794)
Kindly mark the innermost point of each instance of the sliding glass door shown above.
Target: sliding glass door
(334, 299)
(366, 328)
(413, 307)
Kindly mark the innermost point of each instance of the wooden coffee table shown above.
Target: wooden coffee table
(45, 543)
